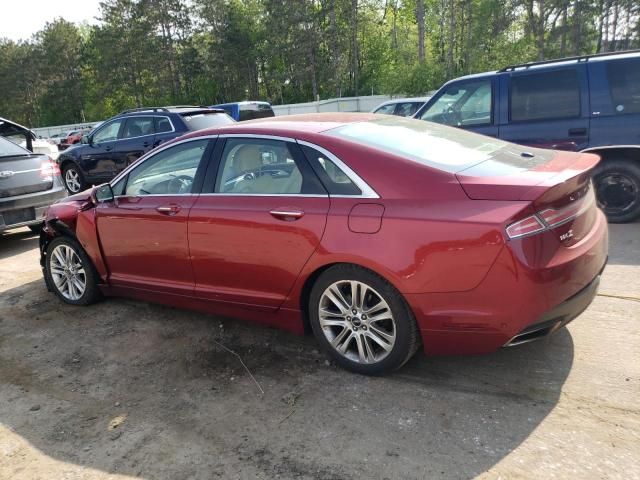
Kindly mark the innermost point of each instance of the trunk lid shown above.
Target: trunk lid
(558, 185)
(23, 174)
(519, 173)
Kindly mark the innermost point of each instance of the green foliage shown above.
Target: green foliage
(160, 52)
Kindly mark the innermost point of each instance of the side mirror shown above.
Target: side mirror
(102, 194)
(86, 140)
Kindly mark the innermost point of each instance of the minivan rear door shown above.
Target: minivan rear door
(546, 107)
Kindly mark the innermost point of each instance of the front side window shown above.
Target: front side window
(334, 179)
(138, 127)
(462, 104)
(108, 133)
(258, 167)
(624, 85)
(545, 95)
(407, 109)
(169, 172)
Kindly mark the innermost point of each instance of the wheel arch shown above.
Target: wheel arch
(312, 277)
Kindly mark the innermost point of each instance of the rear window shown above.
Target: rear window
(198, 121)
(446, 148)
(255, 110)
(10, 149)
(545, 95)
(624, 85)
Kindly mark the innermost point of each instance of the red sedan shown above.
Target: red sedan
(380, 234)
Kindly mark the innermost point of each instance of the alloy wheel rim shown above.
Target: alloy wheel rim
(72, 178)
(357, 321)
(616, 193)
(67, 272)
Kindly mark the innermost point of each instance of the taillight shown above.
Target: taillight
(551, 217)
(49, 169)
(526, 226)
(554, 217)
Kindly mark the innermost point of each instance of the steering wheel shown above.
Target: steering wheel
(252, 175)
(451, 116)
(180, 184)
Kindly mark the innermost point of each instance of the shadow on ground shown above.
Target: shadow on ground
(17, 242)
(128, 387)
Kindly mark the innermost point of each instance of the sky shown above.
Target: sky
(20, 19)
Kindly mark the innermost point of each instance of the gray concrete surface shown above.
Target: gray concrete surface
(126, 389)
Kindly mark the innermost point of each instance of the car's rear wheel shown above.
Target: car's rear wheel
(617, 184)
(361, 320)
(73, 179)
(70, 273)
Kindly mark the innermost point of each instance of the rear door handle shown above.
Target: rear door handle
(286, 214)
(108, 149)
(577, 131)
(168, 209)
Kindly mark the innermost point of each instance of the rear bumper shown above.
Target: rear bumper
(32, 206)
(559, 316)
(514, 300)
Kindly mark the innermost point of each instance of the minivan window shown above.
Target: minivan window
(252, 111)
(624, 85)
(198, 121)
(545, 95)
(462, 104)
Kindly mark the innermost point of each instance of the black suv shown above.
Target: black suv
(588, 104)
(121, 140)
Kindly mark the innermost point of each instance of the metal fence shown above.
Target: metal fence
(347, 104)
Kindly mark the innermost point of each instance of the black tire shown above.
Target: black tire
(91, 292)
(72, 169)
(36, 228)
(407, 339)
(617, 185)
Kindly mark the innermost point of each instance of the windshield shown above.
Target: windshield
(198, 121)
(431, 144)
(10, 149)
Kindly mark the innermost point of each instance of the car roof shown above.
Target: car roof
(244, 102)
(291, 125)
(177, 109)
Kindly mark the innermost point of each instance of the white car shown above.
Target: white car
(402, 107)
(26, 138)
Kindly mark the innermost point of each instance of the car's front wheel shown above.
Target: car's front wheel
(73, 179)
(70, 273)
(361, 320)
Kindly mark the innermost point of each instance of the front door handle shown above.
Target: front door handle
(108, 149)
(574, 132)
(287, 215)
(146, 144)
(168, 209)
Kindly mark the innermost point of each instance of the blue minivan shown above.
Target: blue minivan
(589, 103)
(248, 110)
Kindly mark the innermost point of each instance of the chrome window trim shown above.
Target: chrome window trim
(367, 191)
(152, 154)
(296, 195)
(259, 136)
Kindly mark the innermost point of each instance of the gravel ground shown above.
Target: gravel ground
(126, 389)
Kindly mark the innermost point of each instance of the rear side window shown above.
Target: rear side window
(163, 125)
(407, 109)
(138, 127)
(545, 95)
(334, 179)
(624, 85)
(253, 111)
(8, 149)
